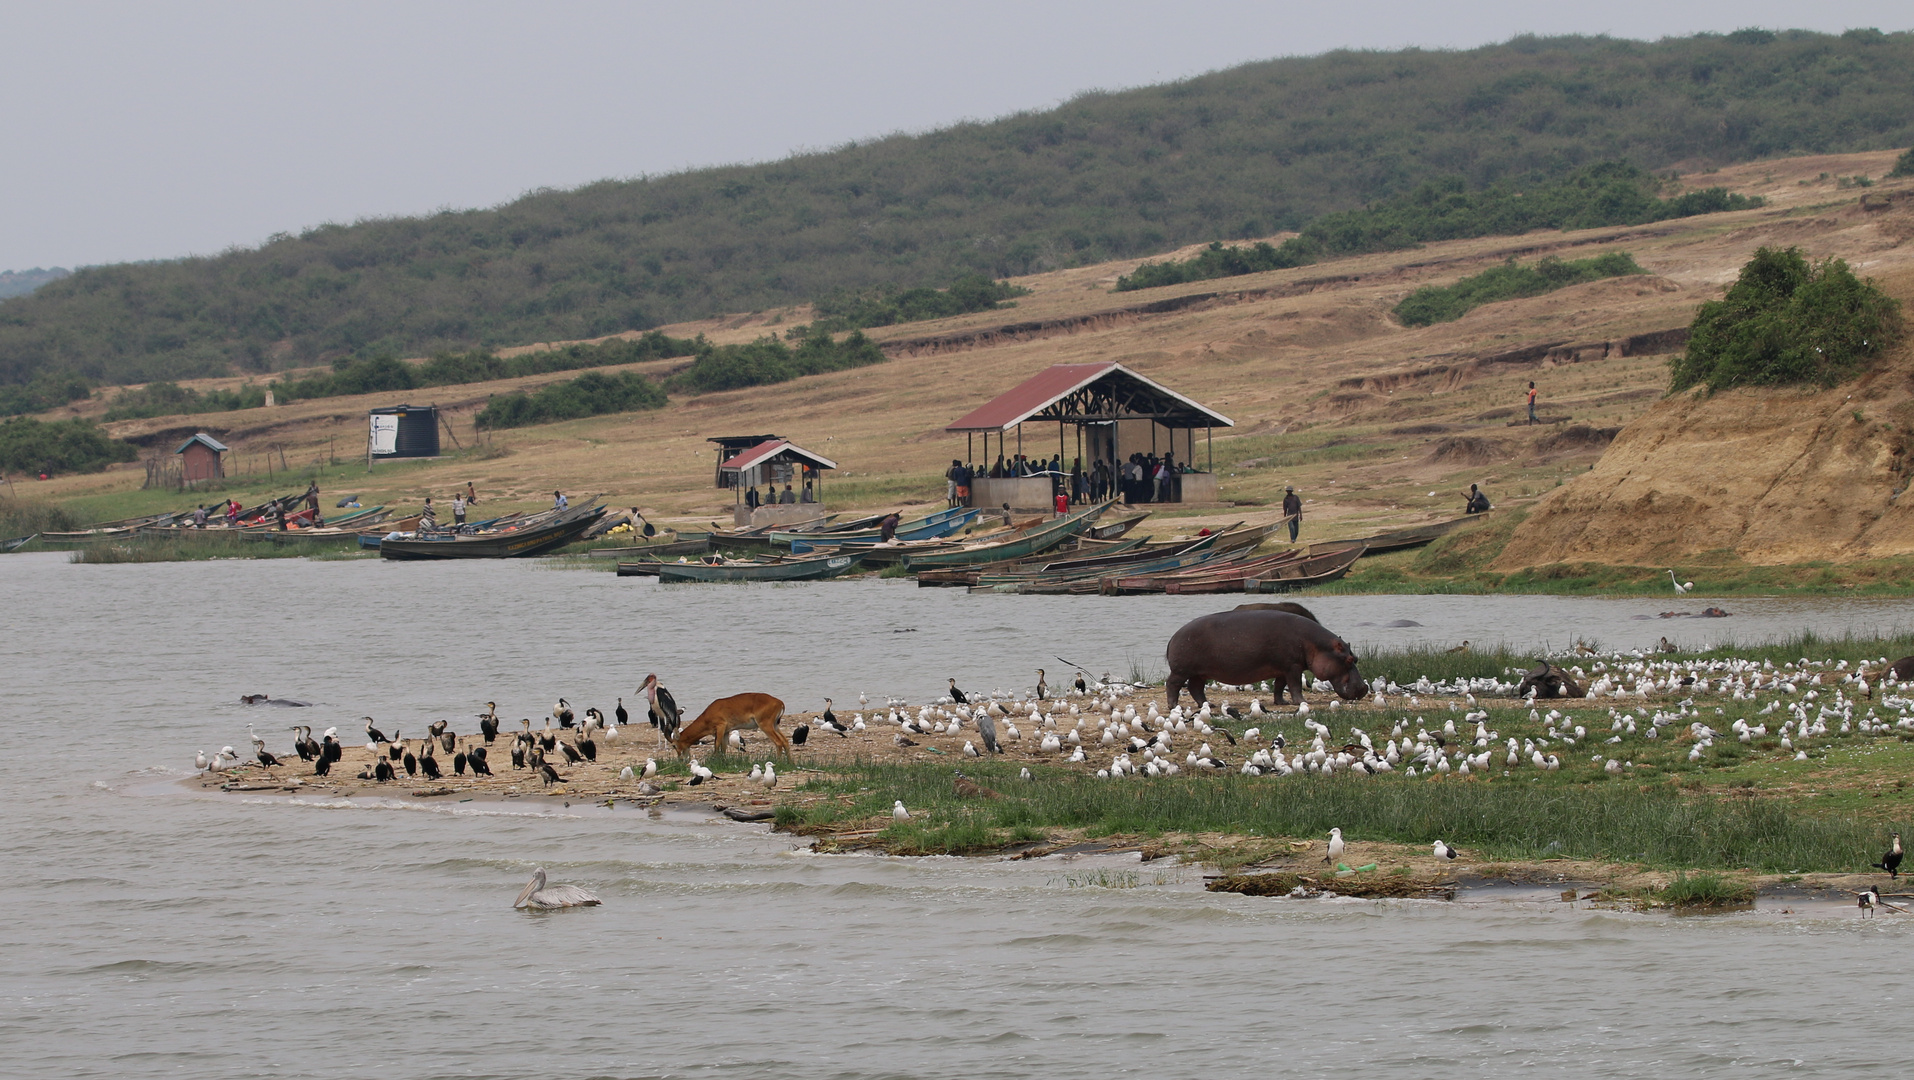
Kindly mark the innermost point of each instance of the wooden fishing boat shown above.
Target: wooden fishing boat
(1222, 567)
(1403, 539)
(515, 540)
(348, 528)
(935, 526)
(1038, 538)
(670, 549)
(1115, 527)
(1316, 570)
(1051, 568)
(108, 530)
(812, 569)
(15, 544)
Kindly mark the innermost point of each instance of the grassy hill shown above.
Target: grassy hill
(1240, 153)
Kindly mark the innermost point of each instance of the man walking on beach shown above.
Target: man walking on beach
(1531, 402)
(1293, 510)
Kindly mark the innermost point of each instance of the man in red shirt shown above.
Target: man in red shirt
(1531, 403)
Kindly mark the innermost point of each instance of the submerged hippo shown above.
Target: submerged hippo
(1247, 646)
(1549, 681)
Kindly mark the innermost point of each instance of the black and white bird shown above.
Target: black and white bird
(829, 720)
(411, 763)
(265, 758)
(588, 747)
(620, 714)
(373, 734)
(957, 695)
(475, 757)
(1868, 899)
(1082, 687)
(799, 734)
(572, 753)
(382, 771)
(488, 722)
(562, 712)
(1043, 688)
(662, 709)
(1444, 851)
(1891, 861)
(428, 764)
(458, 763)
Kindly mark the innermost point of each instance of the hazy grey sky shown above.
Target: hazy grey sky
(139, 131)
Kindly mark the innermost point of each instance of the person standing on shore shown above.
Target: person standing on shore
(471, 494)
(1293, 510)
(458, 508)
(751, 499)
(887, 528)
(428, 517)
(950, 482)
(965, 474)
(1531, 401)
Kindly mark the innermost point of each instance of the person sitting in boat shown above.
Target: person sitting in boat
(199, 517)
(1478, 503)
(232, 513)
(428, 517)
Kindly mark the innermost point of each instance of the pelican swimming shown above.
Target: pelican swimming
(545, 897)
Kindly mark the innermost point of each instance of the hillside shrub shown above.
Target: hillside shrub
(47, 391)
(169, 399)
(590, 394)
(1903, 165)
(1787, 321)
(381, 374)
(887, 306)
(1446, 303)
(1611, 193)
(60, 446)
(768, 360)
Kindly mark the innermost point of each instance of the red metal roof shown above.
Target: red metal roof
(1053, 384)
(765, 451)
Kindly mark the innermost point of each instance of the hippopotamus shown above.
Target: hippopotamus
(1548, 681)
(1902, 669)
(1293, 609)
(1247, 646)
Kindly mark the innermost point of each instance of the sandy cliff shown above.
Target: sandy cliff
(1772, 476)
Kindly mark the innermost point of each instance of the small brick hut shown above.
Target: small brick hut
(199, 458)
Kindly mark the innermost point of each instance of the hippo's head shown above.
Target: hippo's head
(1337, 667)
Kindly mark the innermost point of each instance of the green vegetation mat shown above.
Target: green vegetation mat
(1447, 303)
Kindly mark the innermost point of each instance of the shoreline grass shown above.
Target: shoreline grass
(1505, 821)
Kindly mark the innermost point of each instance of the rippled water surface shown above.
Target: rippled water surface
(155, 933)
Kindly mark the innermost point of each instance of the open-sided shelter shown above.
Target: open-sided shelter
(1116, 413)
(773, 464)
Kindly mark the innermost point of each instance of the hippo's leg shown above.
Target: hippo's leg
(1174, 687)
(1196, 691)
(1295, 681)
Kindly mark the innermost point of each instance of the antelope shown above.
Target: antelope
(725, 715)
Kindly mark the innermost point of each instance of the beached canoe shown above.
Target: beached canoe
(671, 549)
(814, 569)
(1031, 541)
(934, 527)
(517, 540)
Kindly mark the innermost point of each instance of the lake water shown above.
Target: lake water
(157, 933)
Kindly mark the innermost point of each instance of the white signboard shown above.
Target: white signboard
(385, 434)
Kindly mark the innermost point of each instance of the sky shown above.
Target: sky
(144, 131)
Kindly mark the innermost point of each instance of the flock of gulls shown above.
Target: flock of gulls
(1106, 727)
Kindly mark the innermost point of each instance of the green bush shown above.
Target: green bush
(768, 360)
(1903, 165)
(32, 446)
(457, 368)
(1785, 321)
(168, 399)
(886, 307)
(1446, 303)
(49, 390)
(1611, 193)
(590, 394)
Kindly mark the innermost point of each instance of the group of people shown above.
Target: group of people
(1143, 478)
(462, 501)
(776, 498)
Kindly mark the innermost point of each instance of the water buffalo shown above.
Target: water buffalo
(1549, 681)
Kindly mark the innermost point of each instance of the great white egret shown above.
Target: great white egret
(1680, 587)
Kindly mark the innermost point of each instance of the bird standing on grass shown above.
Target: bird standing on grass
(1891, 861)
(1335, 846)
(1680, 587)
(898, 813)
